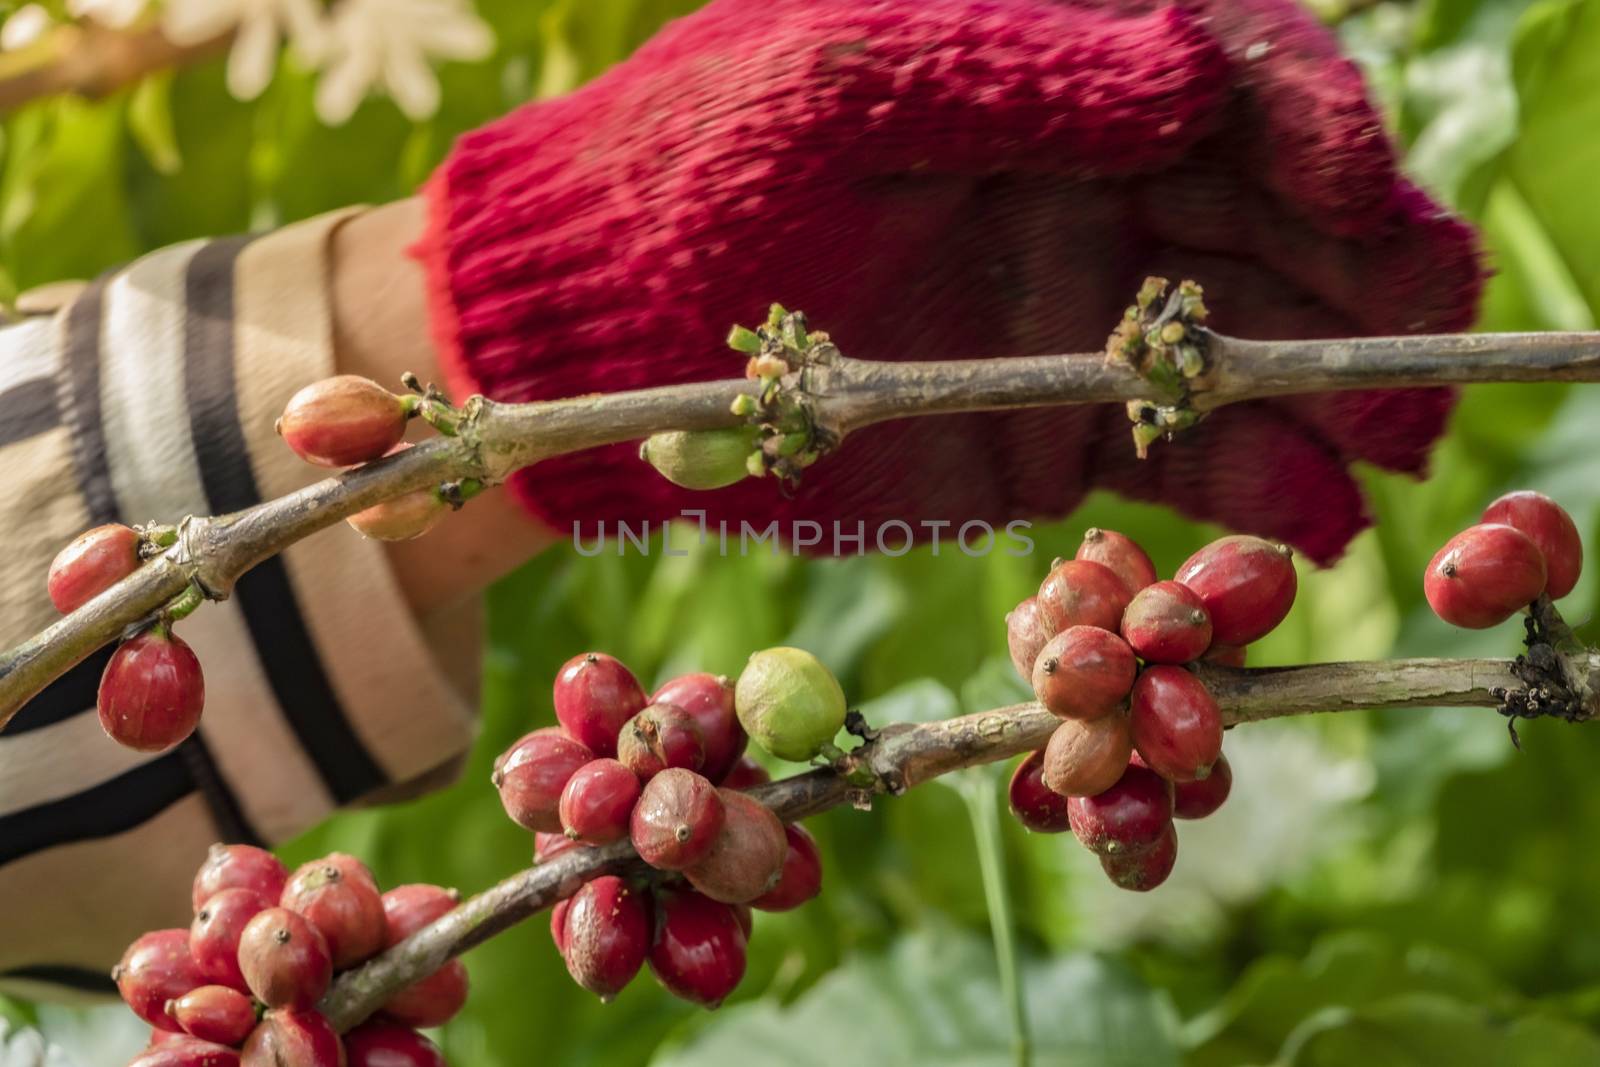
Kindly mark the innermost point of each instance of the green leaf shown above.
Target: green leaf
(1422, 1030)
(933, 1001)
(1277, 994)
(64, 211)
(1556, 155)
(923, 700)
(150, 122)
(211, 194)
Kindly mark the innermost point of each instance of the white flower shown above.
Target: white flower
(26, 26)
(117, 14)
(259, 26)
(27, 1048)
(387, 44)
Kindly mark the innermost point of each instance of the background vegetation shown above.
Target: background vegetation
(1390, 889)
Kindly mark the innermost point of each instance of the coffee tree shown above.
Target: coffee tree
(667, 825)
(654, 841)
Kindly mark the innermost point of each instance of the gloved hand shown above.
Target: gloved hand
(947, 179)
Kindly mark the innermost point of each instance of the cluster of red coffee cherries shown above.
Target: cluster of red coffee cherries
(153, 692)
(665, 771)
(1105, 644)
(239, 987)
(1525, 547)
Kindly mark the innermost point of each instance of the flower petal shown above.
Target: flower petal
(461, 37)
(254, 58)
(343, 86)
(25, 27)
(411, 81)
(188, 22)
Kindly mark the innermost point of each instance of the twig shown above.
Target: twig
(903, 756)
(845, 395)
(90, 60)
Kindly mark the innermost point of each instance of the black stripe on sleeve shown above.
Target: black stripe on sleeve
(72, 694)
(80, 406)
(78, 402)
(232, 824)
(27, 410)
(288, 655)
(105, 810)
(80, 979)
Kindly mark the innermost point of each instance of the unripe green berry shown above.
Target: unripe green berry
(789, 702)
(744, 339)
(700, 459)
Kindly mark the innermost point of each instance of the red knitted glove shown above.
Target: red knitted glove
(944, 179)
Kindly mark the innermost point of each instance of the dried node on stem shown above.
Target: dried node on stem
(1162, 336)
(1549, 687)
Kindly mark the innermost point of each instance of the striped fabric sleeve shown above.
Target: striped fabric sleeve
(151, 396)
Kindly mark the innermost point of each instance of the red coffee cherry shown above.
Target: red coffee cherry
(214, 935)
(746, 917)
(350, 868)
(432, 1001)
(1196, 800)
(238, 867)
(677, 819)
(661, 736)
(1077, 592)
(547, 847)
(1167, 623)
(746, 774)
(1226, 655)
(1035, 805)
(293, 1039)
(1130, 816)
(408, 908)
(594, 695)
(1484, 575)
(558, 923)
(1142, 871)
(152, 691)
(155, 969)
(708, 699)
(531, 774)
(1027, 632)
(185, 1051)
(215, 1013)
(746, 859)
(436, 999)
(1177, 726)
(403, 518)
(609, 928)
(1084, 672)
(1247, 586)
(285, 960)
(1548, 526)
(1083, 759)
(91, 564)
(380, 1043)
(1120, 554)
(801, 878)
(598, 801)
(340, 898)
(342, 421)
(699, 948)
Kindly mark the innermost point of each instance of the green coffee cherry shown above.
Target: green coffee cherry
(700, 459)
(789, 702)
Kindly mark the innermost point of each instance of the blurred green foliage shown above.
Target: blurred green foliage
(1443, 917)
